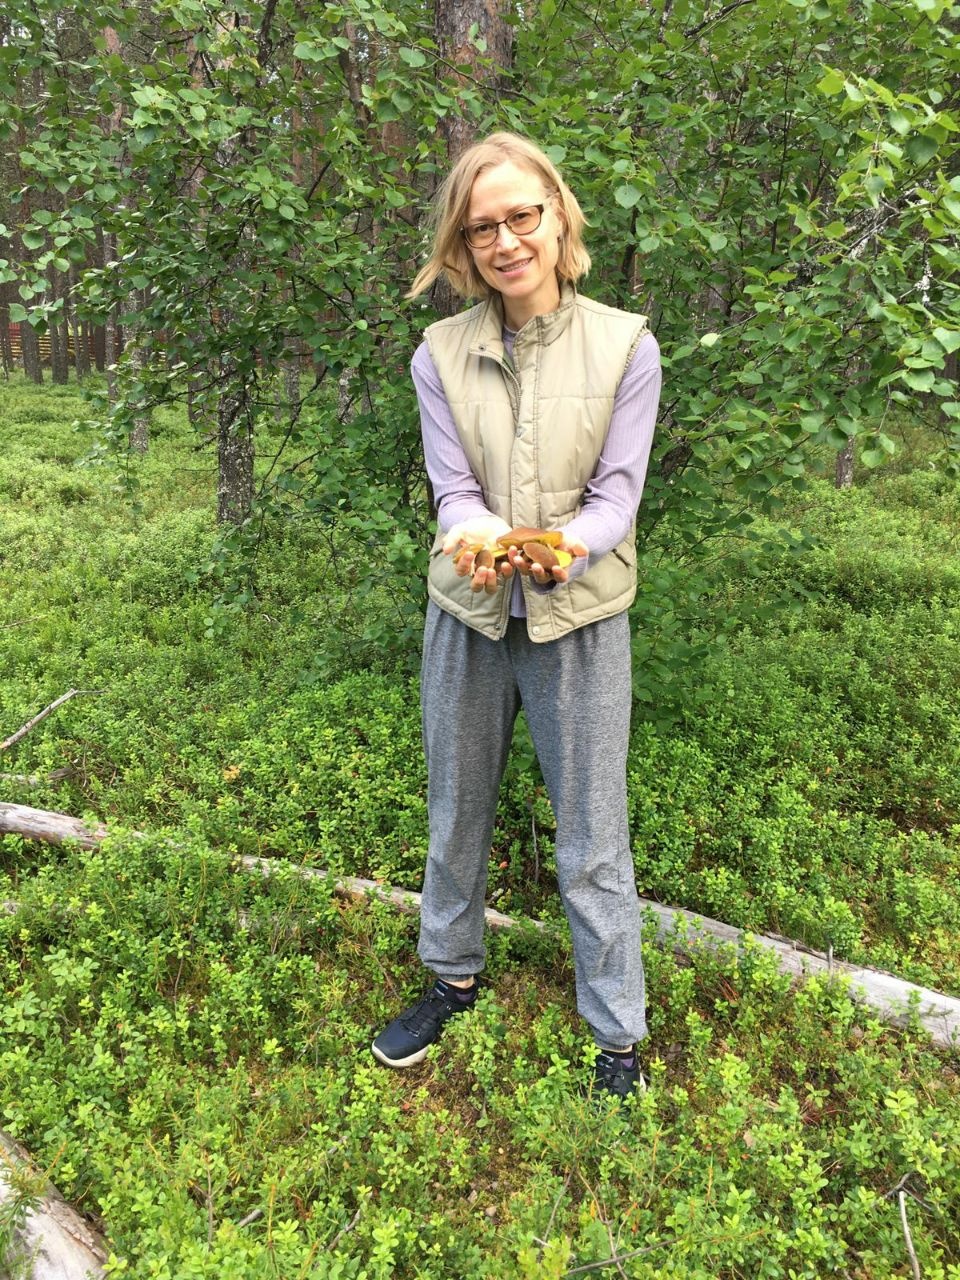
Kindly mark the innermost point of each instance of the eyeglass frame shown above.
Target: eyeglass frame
(505, 222)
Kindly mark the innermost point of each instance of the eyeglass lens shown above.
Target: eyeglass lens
(480, 235)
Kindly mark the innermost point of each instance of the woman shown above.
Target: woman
(537, 408)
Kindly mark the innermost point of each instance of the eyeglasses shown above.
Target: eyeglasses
(481, 235)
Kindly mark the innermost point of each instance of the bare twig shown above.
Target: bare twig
(650, 1248)
(623, 1257)
(553, 1211)
(42, 715)
(253, 1216)
(343, 1230)
(902, 1200)
(209, 1199)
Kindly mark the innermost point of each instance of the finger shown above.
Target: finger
(559, 574)
(575, 547)
(505, 568)
(464, 566)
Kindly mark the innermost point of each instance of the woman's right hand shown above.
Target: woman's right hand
(481, 531)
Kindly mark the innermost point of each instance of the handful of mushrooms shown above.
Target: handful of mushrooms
(536, 546)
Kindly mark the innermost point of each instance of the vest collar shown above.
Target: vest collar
(540, 329)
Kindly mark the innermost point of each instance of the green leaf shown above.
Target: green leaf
(952, 206)
(33, 239)
(717, 241)
(709, 339)
(899, 122)
(413, 57)
(949, 339)
(18, 313)
(918, 379)
(831, 84)
(626, 195)
(921, 148)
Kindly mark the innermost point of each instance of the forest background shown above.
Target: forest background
(220, 209)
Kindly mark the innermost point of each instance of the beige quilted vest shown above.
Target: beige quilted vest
(533, 430)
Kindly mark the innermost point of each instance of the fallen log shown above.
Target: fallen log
(685, 932)
(51, 828)
(48, 1240)
(35, 779)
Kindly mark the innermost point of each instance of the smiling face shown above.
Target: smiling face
(522, 269)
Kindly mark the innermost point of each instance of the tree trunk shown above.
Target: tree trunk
(140, 355)
(59, 355)
(844, 469)
(453, 20)
(234, 453)
(111, 330)
(81, 347)
(30, 353)
(6, 352)
(291, 381)
(950, 372)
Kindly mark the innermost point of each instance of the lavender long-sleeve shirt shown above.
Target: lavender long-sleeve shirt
(611, 498)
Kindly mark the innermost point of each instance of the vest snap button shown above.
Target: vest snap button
(535, 630)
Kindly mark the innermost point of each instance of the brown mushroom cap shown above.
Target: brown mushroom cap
(523, 533)
(540, 554)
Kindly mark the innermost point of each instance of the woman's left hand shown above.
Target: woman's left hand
(543, 577)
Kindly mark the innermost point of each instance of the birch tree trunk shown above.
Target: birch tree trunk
(452, 24)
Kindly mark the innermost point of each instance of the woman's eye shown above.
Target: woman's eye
(481, 228)
(522, 218)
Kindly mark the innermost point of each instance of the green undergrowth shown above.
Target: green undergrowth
(184, 1048)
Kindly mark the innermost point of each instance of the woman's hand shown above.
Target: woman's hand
(481, 531)
(541, 576)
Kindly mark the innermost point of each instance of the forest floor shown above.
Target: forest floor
(186, 1048)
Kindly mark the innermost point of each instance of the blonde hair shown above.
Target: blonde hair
(452, 257)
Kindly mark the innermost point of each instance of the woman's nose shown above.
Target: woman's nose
(506, 237)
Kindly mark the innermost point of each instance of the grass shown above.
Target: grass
(186, 1047)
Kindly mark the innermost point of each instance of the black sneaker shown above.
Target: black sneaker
(406, 1040)
(612, 1076)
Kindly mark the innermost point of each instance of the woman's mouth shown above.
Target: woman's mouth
(513, 268)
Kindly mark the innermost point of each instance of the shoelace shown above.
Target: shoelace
(609, 1068)
(422, 1014)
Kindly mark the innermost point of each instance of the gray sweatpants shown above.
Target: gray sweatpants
(575, 693)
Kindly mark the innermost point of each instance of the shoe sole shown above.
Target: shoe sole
(399, 1063)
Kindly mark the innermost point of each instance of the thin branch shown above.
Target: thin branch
(623, 1257)
(21, 622)
(717, 17)
(25, 729)
(553, 1211)
(343, 1230)
(902, 1200)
